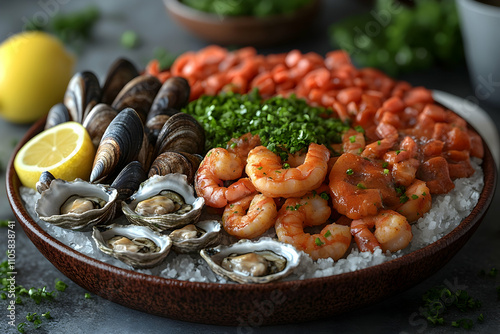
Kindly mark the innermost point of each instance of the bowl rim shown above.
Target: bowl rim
(176, 7)
(464, 229)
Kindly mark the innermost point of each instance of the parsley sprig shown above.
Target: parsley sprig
(283, 124)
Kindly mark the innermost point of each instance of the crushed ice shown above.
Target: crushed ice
(447, 212)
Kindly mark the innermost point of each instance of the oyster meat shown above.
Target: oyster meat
(248, 261)
(137, 246)
(164, 203)
(193, 237)
(76, 205)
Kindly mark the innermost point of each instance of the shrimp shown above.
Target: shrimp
(220, 165)
(360, 187)
(247, 225)
(417, 201)
(296, 213)
(242, 145)
(269, 177)
(392, 232)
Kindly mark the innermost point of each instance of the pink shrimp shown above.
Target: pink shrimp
(392, 232)
(269, 177)
(220, 165)
(311, 209)
(247, 225)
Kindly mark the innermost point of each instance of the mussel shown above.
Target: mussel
(120, 144)
(57, 114)
(97, 121)
(176, 162)
(119, 74)
(173, 94)
(138, 94)
(82, 94)
(181, 133)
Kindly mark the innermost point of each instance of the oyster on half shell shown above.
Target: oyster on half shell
(84, 204)
(137, 246)
(248, 261)
(193, 237)
(164, 203)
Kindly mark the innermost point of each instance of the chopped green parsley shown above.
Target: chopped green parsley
(283, 124)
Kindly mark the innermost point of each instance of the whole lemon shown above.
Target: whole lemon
(34, 72)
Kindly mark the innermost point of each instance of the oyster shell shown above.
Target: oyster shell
(193, 237)
(266, 259)
(173, 184)
(137, 246)
(48, 206)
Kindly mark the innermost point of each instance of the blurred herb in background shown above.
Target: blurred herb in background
(398, 38)
(246, 7)
(164, 57)
(72, 28)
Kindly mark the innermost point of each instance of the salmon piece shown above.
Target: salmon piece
(435, 173)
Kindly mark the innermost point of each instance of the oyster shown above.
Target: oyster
(193, 237)
(163, 203)
(89, 204)
(137, 246)
(248, 261)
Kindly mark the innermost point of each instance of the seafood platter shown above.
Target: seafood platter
(173, 224)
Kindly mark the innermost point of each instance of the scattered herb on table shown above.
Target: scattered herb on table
(88, 295)
(398, 38)
(246, 7)
(60, 285)
(4, 223)
(281, 123)
(438, 301)
(21, 295)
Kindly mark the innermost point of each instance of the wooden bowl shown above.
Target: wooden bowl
(243, 30)
(249, 304)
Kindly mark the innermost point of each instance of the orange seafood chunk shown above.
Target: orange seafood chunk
(359, 187)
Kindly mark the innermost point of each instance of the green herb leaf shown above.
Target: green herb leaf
(60, 285)
(129, 39)
(318, 242)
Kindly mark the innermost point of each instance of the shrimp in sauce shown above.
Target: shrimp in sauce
(311, 209)
(267, 173)
(392, 232)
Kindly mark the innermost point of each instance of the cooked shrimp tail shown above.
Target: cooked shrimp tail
(392, 232)
(249, 217)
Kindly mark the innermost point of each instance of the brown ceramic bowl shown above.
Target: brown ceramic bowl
(240, 304)
(243, 30)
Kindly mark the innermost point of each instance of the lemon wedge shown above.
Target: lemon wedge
(64, 150)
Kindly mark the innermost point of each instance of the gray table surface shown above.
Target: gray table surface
(72, 313)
